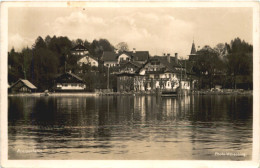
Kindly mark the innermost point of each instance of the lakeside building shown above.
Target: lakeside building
(69, 82)
(84, 56)
(22, 86)
(159, 72)
(116, 58)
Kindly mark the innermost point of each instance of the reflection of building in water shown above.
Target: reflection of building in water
(139, 108)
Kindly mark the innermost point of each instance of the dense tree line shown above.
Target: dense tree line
(228, 65)
(49, 57)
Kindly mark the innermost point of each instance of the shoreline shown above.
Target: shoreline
(87, 94)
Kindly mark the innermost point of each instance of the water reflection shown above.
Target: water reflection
(128, 127)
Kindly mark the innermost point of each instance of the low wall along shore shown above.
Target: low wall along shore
(181, 92)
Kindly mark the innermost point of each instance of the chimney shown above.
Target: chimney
(176, 57)
(169, 57)
(133, 50)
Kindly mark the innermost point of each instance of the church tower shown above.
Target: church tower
(193, 52)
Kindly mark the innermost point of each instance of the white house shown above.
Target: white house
(88, 60)
(69, 82)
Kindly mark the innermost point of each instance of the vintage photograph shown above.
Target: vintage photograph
(130, 83)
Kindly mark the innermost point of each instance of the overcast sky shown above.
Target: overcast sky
(158, 30)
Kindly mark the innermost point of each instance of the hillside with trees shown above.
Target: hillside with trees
(49, 57)
(229, 65)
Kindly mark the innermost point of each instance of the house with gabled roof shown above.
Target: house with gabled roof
(88, 60)
(126, 75)
(84, 56)
(22, 86)
(140, 56)
(111, 58)
(69, 82)
(79, 50)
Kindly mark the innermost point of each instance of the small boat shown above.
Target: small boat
(46, 93)
(169, 94)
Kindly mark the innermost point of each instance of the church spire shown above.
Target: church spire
(193, 49)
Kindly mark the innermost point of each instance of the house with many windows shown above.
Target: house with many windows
(84, 56)
(69, 82)
(159, 72)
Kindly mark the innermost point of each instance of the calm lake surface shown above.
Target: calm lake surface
(130, 127)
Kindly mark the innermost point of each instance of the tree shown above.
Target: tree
(44, 66)
(79, 41)
(15, 69)
(47, 40)
(39, 43)
(122, 46)
(207, 65)
(105, 45)
(26, 56)
(221, 49)
(240, 62)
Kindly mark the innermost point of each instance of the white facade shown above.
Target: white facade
(88, 60)
(185, 85)
(71, 86)
(124, 57)
(110, 63)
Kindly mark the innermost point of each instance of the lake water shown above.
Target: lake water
(130, 127)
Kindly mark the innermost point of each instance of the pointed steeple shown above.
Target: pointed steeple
(193, 49)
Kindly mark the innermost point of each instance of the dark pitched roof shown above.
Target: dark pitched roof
(25, 82)
(141, 55)
(109, 56)
(136, 64)
(79, 47)
(62, 77)
(75, 76)
(171, 66)
(193, 49)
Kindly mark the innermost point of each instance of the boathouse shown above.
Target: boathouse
(22, 86)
